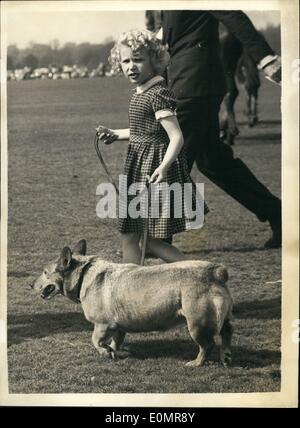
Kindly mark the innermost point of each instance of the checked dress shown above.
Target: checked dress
(146, 150)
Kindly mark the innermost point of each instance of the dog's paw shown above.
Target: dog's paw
(195, 363)
(226, 358)
(122, 354)
(105, 353)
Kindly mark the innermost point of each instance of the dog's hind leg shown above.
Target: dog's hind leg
(199, 361)
(203, 336)
(226, 334)
(101, 335)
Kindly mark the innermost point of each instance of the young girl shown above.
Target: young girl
(155, 141)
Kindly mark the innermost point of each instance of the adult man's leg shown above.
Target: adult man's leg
(199, 121)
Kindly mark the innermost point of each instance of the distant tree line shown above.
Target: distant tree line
(86, 54)
(42, 55)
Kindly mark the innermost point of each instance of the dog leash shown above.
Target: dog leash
(97, 142)
(146, 225)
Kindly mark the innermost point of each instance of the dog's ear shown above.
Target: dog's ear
(80, 248)
(64, 259)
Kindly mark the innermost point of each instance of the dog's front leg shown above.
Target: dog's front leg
(117, 340)
(102, 333)
(116, 343)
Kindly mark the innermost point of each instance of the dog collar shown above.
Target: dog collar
(73, 293)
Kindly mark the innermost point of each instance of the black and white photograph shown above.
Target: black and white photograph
(149, 203)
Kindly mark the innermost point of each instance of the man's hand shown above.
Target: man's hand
(273, 71)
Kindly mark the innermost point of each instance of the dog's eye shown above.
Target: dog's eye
(45, 272)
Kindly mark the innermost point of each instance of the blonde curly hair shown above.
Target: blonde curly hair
(136, 40)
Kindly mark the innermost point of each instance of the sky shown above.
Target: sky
(25, 26)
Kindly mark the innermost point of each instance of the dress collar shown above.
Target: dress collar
(145, 86)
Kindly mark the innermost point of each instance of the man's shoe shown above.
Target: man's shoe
(276, 238)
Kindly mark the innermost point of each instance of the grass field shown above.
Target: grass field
(53, 175)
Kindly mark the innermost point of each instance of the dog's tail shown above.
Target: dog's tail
(219, 274)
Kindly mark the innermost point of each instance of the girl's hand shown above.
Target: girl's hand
(159, 175)
(106, 135)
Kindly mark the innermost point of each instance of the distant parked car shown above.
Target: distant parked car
(22, 73)
(100, 71)
(10, 75)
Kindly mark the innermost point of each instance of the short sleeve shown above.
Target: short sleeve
(163, 103)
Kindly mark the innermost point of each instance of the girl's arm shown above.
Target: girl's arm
(123, 134)
(172, 128)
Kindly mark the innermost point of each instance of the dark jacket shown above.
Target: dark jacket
(193, 39)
